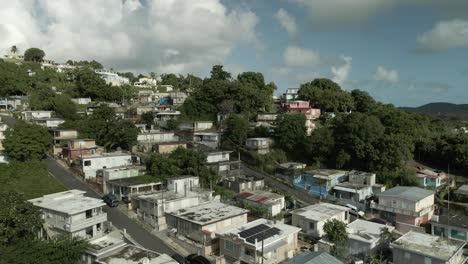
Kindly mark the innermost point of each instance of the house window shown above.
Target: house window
(394, 202)
(311, 226)
(228, 245)
(98, 227)
(89, 213)
(427, 260)
(87, 163)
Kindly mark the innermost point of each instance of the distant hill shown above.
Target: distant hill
(443, 110)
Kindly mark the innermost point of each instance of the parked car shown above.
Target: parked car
(111, 200)
(355, 211)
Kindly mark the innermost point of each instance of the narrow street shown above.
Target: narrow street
(118, 219)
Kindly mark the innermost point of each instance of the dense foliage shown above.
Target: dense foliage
(247, 94)
(336, 233)
(20, 222)
(27, 142)
(34, 54)
(108, 130)
(181, 162)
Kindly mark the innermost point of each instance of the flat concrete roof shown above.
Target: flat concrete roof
(284, 231)
(321, 211)
(69, 202)
(208, 213)
(136, 255)
(366, 231)
(105, 155)
(409, 193)
(428, 245)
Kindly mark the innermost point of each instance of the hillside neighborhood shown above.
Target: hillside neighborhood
(174, 169)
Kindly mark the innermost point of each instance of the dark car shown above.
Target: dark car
(111, 200)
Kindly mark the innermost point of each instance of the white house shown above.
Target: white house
(196, 125)
(71, 212)
(273, 241)
(81, 101)
(157, 137)
(90, 164)
(364, 236)
(209, 139)
(219, 161)
(259, 145)
(48, 122)
(312, 218)
(29, 115)
(112, 78)
(272, 202)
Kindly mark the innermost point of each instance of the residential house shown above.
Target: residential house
(71, 212)
(29, 115)
(303, 107)
(77, 148)
(182, 192)
(112, 249)
(320, 182)
(364, 237)
(360, 186)
(201, 223)
(146, 140)
(82, 100)
(127, 181)
(274, 203)
(453, 225)
(429, 178)
(3, 129)
(266, 119)
(290, 169)
(259, 145)
(291, 94)
(12, 103)
(312, 218)
(178, 98)
(163, 116)
(259, 241)
(196, 125)
(406, 207)
(112, 78)
(142, 109)
(61, 137)
(317, 257)
(51, 123)
(209, 139)
(90, 164)
(420, 248)
(165, 88)
(221, 163)
(244, 183)
(168, 147)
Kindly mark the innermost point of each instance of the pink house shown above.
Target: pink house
(302, 107)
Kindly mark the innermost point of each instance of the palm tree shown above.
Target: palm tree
(14, 49)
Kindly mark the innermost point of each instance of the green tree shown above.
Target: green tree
(34, 54)
(326, 95)
(14, 49)
(217, 73)
(235, 135)
(27, 142)
(290, 132)
(122, 134)
(148, 118)
(336, 233)
(19, 219)
(162, 166)
(363, 102)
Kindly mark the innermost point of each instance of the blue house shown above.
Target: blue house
(428, 178)
(320, 182)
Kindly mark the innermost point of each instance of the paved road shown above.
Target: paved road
(280, 186)
(118, 219)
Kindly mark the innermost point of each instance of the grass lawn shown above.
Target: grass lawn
(29, 178)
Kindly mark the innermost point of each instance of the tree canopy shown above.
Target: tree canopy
(237, 130)
(34, 54)
(326, 95)
(27, 142)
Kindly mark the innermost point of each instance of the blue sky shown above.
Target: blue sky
(405, 52)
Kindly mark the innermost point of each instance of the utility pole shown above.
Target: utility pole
(448, 197)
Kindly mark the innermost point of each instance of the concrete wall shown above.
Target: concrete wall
(104, 162)
(405, 257)
(169, 148)
(217, 157)
(317, 229)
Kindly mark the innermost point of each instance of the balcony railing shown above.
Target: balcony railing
(402, 211)
(80, 224)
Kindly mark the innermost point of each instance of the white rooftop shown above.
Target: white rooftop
(321, 211)
(106, 155)
(428, 245)
(136, 255)
(366, 231)
(208, 213)
(284, 231)
(69, 202)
